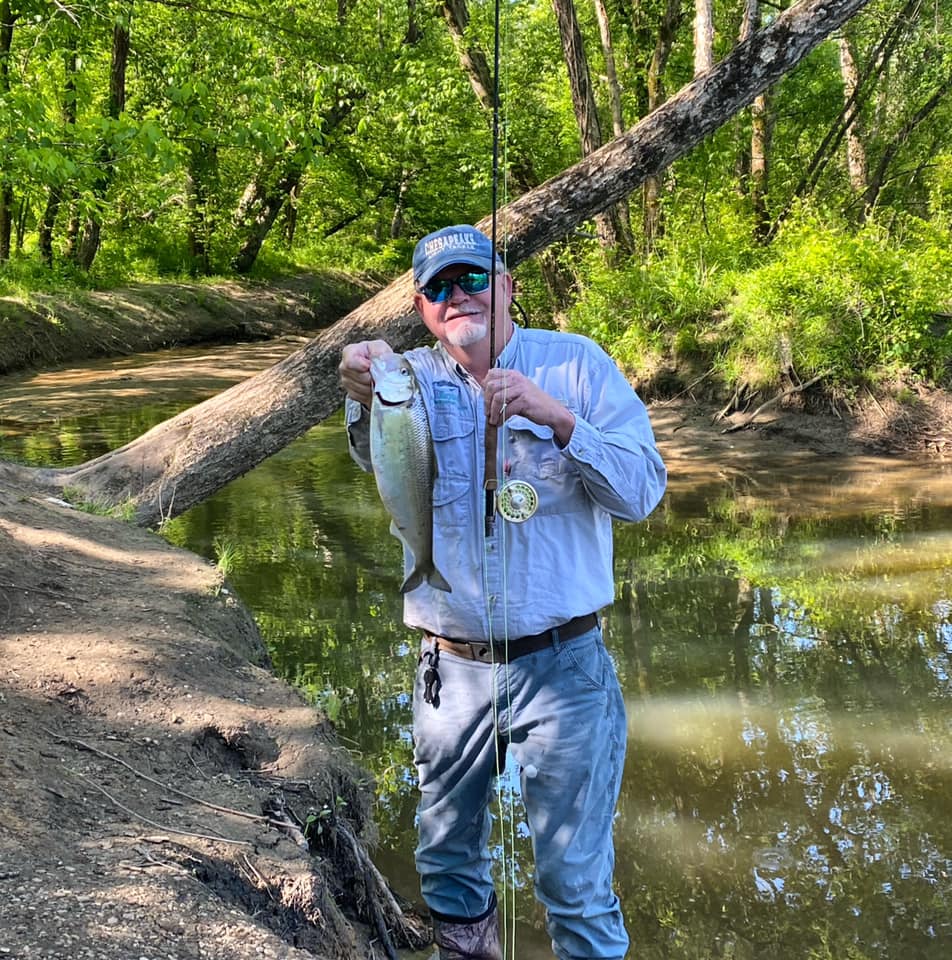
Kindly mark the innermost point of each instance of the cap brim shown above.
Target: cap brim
(451, 258)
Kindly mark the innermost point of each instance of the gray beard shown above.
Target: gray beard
(468, 333)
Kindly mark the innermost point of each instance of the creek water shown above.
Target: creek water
(783, 636)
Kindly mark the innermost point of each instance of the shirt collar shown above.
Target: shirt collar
(505, 359)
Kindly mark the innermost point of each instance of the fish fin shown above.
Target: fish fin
(438, 581)
(413, 579)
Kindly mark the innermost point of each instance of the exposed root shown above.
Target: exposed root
(773, 401)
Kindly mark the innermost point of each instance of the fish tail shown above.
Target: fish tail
(413, 579)
(438, 581)
(431, 575)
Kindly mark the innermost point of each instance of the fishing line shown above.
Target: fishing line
(505, 804)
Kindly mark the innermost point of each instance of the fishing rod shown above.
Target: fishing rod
(490, 480)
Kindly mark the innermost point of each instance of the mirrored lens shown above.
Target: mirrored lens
(436, 291)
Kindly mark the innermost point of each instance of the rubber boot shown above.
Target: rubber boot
(476, 940)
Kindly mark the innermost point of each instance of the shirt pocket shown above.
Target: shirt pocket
(452, 425)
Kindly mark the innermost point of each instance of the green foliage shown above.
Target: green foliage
(227, 557)
(850, 303)
(642, 310)
(844, 302)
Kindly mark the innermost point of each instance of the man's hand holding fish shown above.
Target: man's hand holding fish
(354, 368)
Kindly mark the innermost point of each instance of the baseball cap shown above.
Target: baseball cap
(458, 244)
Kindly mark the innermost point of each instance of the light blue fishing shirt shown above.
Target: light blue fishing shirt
(527, 577)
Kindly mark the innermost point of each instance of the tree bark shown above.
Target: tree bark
(620, 213)
(260, 208)
(91, 238)
(54, 199)
(878, 60)
(580, 81)
(475, 65)
(7, 20)
(761, 128)
(611, 74)
(185, 460)
(473, 60)
(652, 223)
(750, 21)
(703, 37)
(583, 103)
(877, 178)
(265, 196)
(856, 164)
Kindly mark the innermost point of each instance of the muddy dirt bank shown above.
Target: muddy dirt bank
(158, 779)
(51, 329)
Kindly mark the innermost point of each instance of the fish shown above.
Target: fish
(404, 464)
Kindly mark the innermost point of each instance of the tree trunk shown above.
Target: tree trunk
(187, 459)
(761, 124)
(580, 81)
(878, 60)
(291, 217)
(48, 224)
(750, 21)
(91, 238)
(413, 33)
(611, 74)
(54, 199)
(652, 224)
(264, 197)
(261, 210)
(201, 174)
(703, 37)
(7, 19)
(6, 219)
(760, 132)
(878, 177)
(855, 143)
(583, 102)
(620, 212)
(473, 60)
(476, 67)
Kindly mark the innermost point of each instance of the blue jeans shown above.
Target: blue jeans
(561, 715)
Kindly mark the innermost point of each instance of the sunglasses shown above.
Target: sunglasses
(437, 291)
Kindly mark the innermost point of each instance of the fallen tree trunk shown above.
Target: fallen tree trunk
(185, 460)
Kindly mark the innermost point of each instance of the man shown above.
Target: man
(512, 658)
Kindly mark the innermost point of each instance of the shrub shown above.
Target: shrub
(843, 302)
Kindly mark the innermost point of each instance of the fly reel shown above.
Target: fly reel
(517, 501)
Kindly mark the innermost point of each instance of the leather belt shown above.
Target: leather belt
(498, 652)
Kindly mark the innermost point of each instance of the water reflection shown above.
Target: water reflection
(785, 647)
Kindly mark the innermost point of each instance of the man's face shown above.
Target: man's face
(462, 319)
